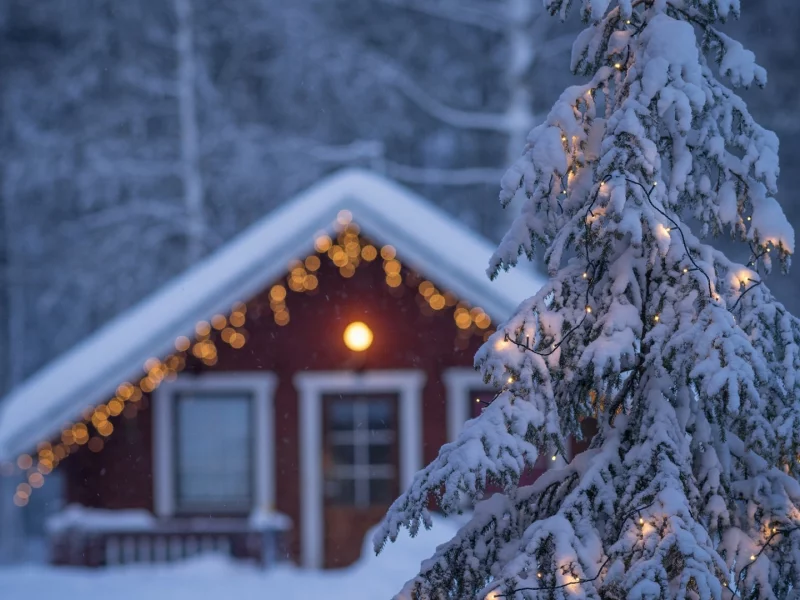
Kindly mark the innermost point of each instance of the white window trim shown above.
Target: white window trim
(311, 386)
(460, 381)
(261, 386)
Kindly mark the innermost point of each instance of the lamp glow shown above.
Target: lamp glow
(357, 336)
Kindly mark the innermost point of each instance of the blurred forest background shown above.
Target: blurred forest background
(139, 135)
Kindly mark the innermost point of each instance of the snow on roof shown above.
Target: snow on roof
(426, 239)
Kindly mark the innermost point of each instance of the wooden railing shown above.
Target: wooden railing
(110, 541)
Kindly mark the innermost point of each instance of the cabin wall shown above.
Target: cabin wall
(120, 476)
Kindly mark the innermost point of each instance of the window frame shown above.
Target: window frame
(260, 386)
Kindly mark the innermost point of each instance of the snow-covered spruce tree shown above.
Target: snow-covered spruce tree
(688, 363)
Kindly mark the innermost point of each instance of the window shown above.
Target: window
(360, 449)
(213, 467)
(212, 448)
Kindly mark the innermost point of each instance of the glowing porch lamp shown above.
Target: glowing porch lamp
(357, 336)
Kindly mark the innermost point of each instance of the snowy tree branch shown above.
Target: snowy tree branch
(677, 227)
(585, 580)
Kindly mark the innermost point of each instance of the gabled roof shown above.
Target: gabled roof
(427, 240)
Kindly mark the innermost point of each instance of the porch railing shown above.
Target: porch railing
(92, 537)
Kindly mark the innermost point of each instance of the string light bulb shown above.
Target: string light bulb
(585, 275)
(554, 457)
(539, 574)
(657, 318)
(588, 309)
(618, 66)
(641, 520)
(685, 270)
(752, 557)
(655, 184)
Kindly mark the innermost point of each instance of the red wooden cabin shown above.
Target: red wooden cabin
(226, 410)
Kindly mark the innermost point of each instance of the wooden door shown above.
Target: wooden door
(360, 470)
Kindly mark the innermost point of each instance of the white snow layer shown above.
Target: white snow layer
(81, 518)
(217, 578)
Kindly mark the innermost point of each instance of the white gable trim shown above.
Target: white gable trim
(311, 386)
(459, 381)
(262, 386)
(426, 239)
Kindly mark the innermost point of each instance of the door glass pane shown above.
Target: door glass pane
(380, 454)
(380, 415)
(361, 433)
(213, 467)
(344, 454)
(341, 491)
(341, 415)
(381, 491)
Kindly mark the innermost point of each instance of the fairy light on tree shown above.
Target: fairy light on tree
(685, 359)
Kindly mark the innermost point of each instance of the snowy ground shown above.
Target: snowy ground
(372, 578)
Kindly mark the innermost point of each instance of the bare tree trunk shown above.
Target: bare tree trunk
(15, 293)
(519, 112)
(11, 532)
(526, 23)
(190, 136)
